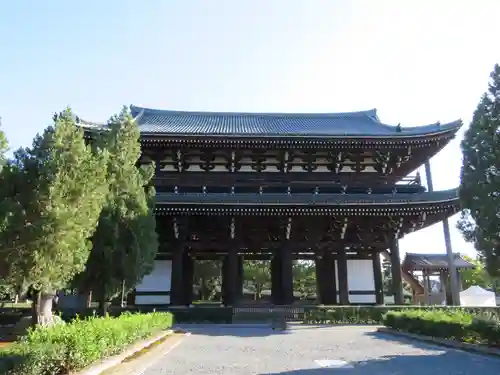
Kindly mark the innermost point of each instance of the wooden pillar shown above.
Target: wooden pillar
(188, 276)
(239, 285)
(320, 282)
(343, 285)
(177, 282)
(397, 279)
(329, 287)
(230, 277)
(377, 278)
(454, 275)
(286, 276)
(276, 278)
(455, 288)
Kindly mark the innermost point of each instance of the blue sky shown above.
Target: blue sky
(416, 61)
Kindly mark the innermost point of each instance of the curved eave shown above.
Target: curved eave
(449, 128)
(358, 202)
(380, 130)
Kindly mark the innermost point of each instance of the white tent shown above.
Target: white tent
(477, 296)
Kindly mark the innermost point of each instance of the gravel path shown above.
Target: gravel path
(251, 351)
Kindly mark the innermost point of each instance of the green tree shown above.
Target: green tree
(304, 278)
(257, 276)
(53, 194)
(6, 289)
(207, 279)
(4, 147)
(387, 276)
(479, 190)
(477, 276)
(125, 243)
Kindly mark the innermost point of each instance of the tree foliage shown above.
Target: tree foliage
(476, 276)
(257, 276)
(125, 243)
(5, 286)
(304, 278)
(480, 178)
(207, 279)
(52, 195)
(387, 276)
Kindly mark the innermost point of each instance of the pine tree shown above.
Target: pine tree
(480, 178)
(125, 243)
(53, 195)
(5, 286)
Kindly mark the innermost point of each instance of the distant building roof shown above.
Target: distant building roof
(432, 262)
(357, 124)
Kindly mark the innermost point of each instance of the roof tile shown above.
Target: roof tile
(364, 123)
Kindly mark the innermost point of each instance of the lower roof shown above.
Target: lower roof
(301, 199)
(433, 262)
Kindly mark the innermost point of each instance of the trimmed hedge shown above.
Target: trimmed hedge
(209, 314)
(216, 314)
(375, 314)
(457, 325)
(75, 346)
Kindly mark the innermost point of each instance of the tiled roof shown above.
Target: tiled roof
(356, 124)
(305, 199)
(420, 262)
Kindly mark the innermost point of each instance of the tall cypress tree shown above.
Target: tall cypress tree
(480, 178)
(53, 194)
(125, 243)
(6, 288)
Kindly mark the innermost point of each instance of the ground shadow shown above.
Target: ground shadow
(410, 341)
(446, 362)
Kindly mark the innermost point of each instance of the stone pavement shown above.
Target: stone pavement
(303, 350)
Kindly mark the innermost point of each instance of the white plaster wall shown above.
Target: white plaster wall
(359, 277)
(159, 280)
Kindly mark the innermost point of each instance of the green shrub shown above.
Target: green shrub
(487, 327)
(457, 324)
(71, 347)
(209, 314)
(375, 314)
(346, 314)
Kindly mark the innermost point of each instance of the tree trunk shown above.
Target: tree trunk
(88, 302)
(259, 292)
(103, 303)
(204, 290)
(42, 309)
(35, 306)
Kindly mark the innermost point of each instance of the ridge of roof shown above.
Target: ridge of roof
(138, 111)
(356, 124)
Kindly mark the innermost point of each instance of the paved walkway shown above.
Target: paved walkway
(304, 350)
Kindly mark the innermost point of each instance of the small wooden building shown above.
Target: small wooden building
(427, 266)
